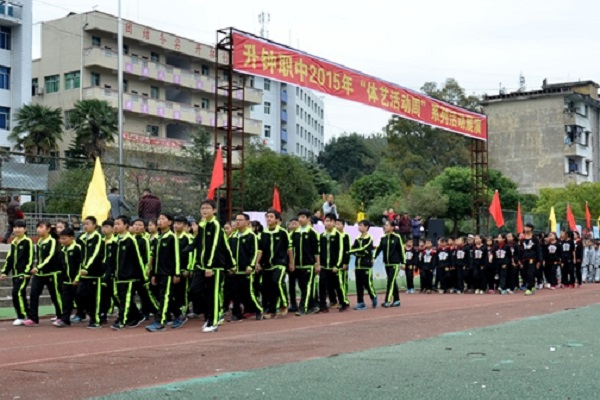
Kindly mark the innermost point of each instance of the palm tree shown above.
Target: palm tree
(38, 131)
(95, 124)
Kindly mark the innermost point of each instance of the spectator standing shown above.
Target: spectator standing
(404, 227)
(417, 229)
(149, 206)
(13, 213)
(329, 207)
(116, 202)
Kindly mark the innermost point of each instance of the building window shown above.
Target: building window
(297, 91)
(251, 82)
(5, 37)
(267, 107)
(267, 131)
(95, 78)
(267, 84)
(52, 83)
(297, 109)
(155, 57)
(125, 49)
(205, 104)
(204, 69)
(572, 166)
(5, 118)
(125, 85)
(297, 148)
(154, 92)
(67, 119)
(152, 130)
(96, 41)
(34, 86)
(4, 78)
(72, 80)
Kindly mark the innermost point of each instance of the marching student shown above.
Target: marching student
(180, 224)
(244, 246)
(46, 273)
(340, 224)
(443, 275)
(513, 268)
(531, 255)
(462, 263)
(165, 275)
(129, 271)
(578, 259)
(552, 252)
(501, 260)
(18, 263)
(92, 271)
(274, 253)
(393, 256)
(70, 260)
(293, 275)
(469, 273)
(331, 258)
(568, 259)
(410, 266)
(427, 264)
(491, 272)
(213, 260)
(142, 288)
(480, 260)
(587, 261)
(362, 248)
(108, 296)
(306, 254)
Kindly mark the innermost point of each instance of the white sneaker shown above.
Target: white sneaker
(205, 324)
(18, 322)
(53, 319)
(209, 329)
(509, 291)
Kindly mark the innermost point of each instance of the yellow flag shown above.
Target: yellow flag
(552, 220)
(96, 203)
(360, 216)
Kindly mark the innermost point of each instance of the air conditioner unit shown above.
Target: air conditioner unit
(40, 91)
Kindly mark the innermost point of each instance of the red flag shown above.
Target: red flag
(519, 219)
(588, 217)
(496, 210)
(217, 175)
(571, 218)
(276, 200)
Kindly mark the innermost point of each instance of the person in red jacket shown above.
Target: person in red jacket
(149, 206)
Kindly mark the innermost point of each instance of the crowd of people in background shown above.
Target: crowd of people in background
(180, 269)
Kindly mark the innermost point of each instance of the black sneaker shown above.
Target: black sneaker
(135, 323)
(94, 326)
(235, 318)
(259, 316)
(117, 326)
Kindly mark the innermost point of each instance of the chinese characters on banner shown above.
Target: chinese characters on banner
(256, 56)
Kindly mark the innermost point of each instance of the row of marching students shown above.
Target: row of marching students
(502, 265)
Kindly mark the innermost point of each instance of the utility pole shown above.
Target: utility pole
(263, 20)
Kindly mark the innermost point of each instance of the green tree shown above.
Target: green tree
(347, 158)
(68, 194)
(421, 152)
(375, 209)
(575, 195)
(200, 156)
(95, 124)
(427, 201)
(38, 129)
(321, 179)
(264, 169)
(369, 187)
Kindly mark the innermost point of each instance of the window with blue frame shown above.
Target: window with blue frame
(5, 37)
(5, 118)
(4, 78)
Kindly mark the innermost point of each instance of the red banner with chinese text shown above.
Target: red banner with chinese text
(256, 56)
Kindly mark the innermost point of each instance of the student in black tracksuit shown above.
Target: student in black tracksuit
(108, 296)
(129, 271)
(513, 268)
(293, 224)
(340, 225)
(331, 257)
(147, 300)
(180, 225)
(274, 254)
(531, 256)
(213, 260)
(46, 273)
(19, 262)
(427, 264)
(552, 259)
(462, 263)
(70, 260)
(362, 248)
(393, 256)
(410, 266)
(165, 274)
(568, 259)
(578, 259)
(444, 263)
(92, 271)
(305, 245)
(480, 259)
(244, 246)
(501, 260)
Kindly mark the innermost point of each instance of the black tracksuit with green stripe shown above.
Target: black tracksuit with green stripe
(306, 246)
(244, 246)
(393, 255)
(70, 259)
(331, 279)
(129, 270)
(166, 256)
(362, 248)
(274, 245)
(19, 262)
(48, 275)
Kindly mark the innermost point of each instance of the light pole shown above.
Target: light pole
(120, 95)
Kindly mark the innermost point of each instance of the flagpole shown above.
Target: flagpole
(120, 96)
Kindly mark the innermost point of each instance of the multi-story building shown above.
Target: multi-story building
(15, 62)
(292, 118)
(546, 138)
(169, 81)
